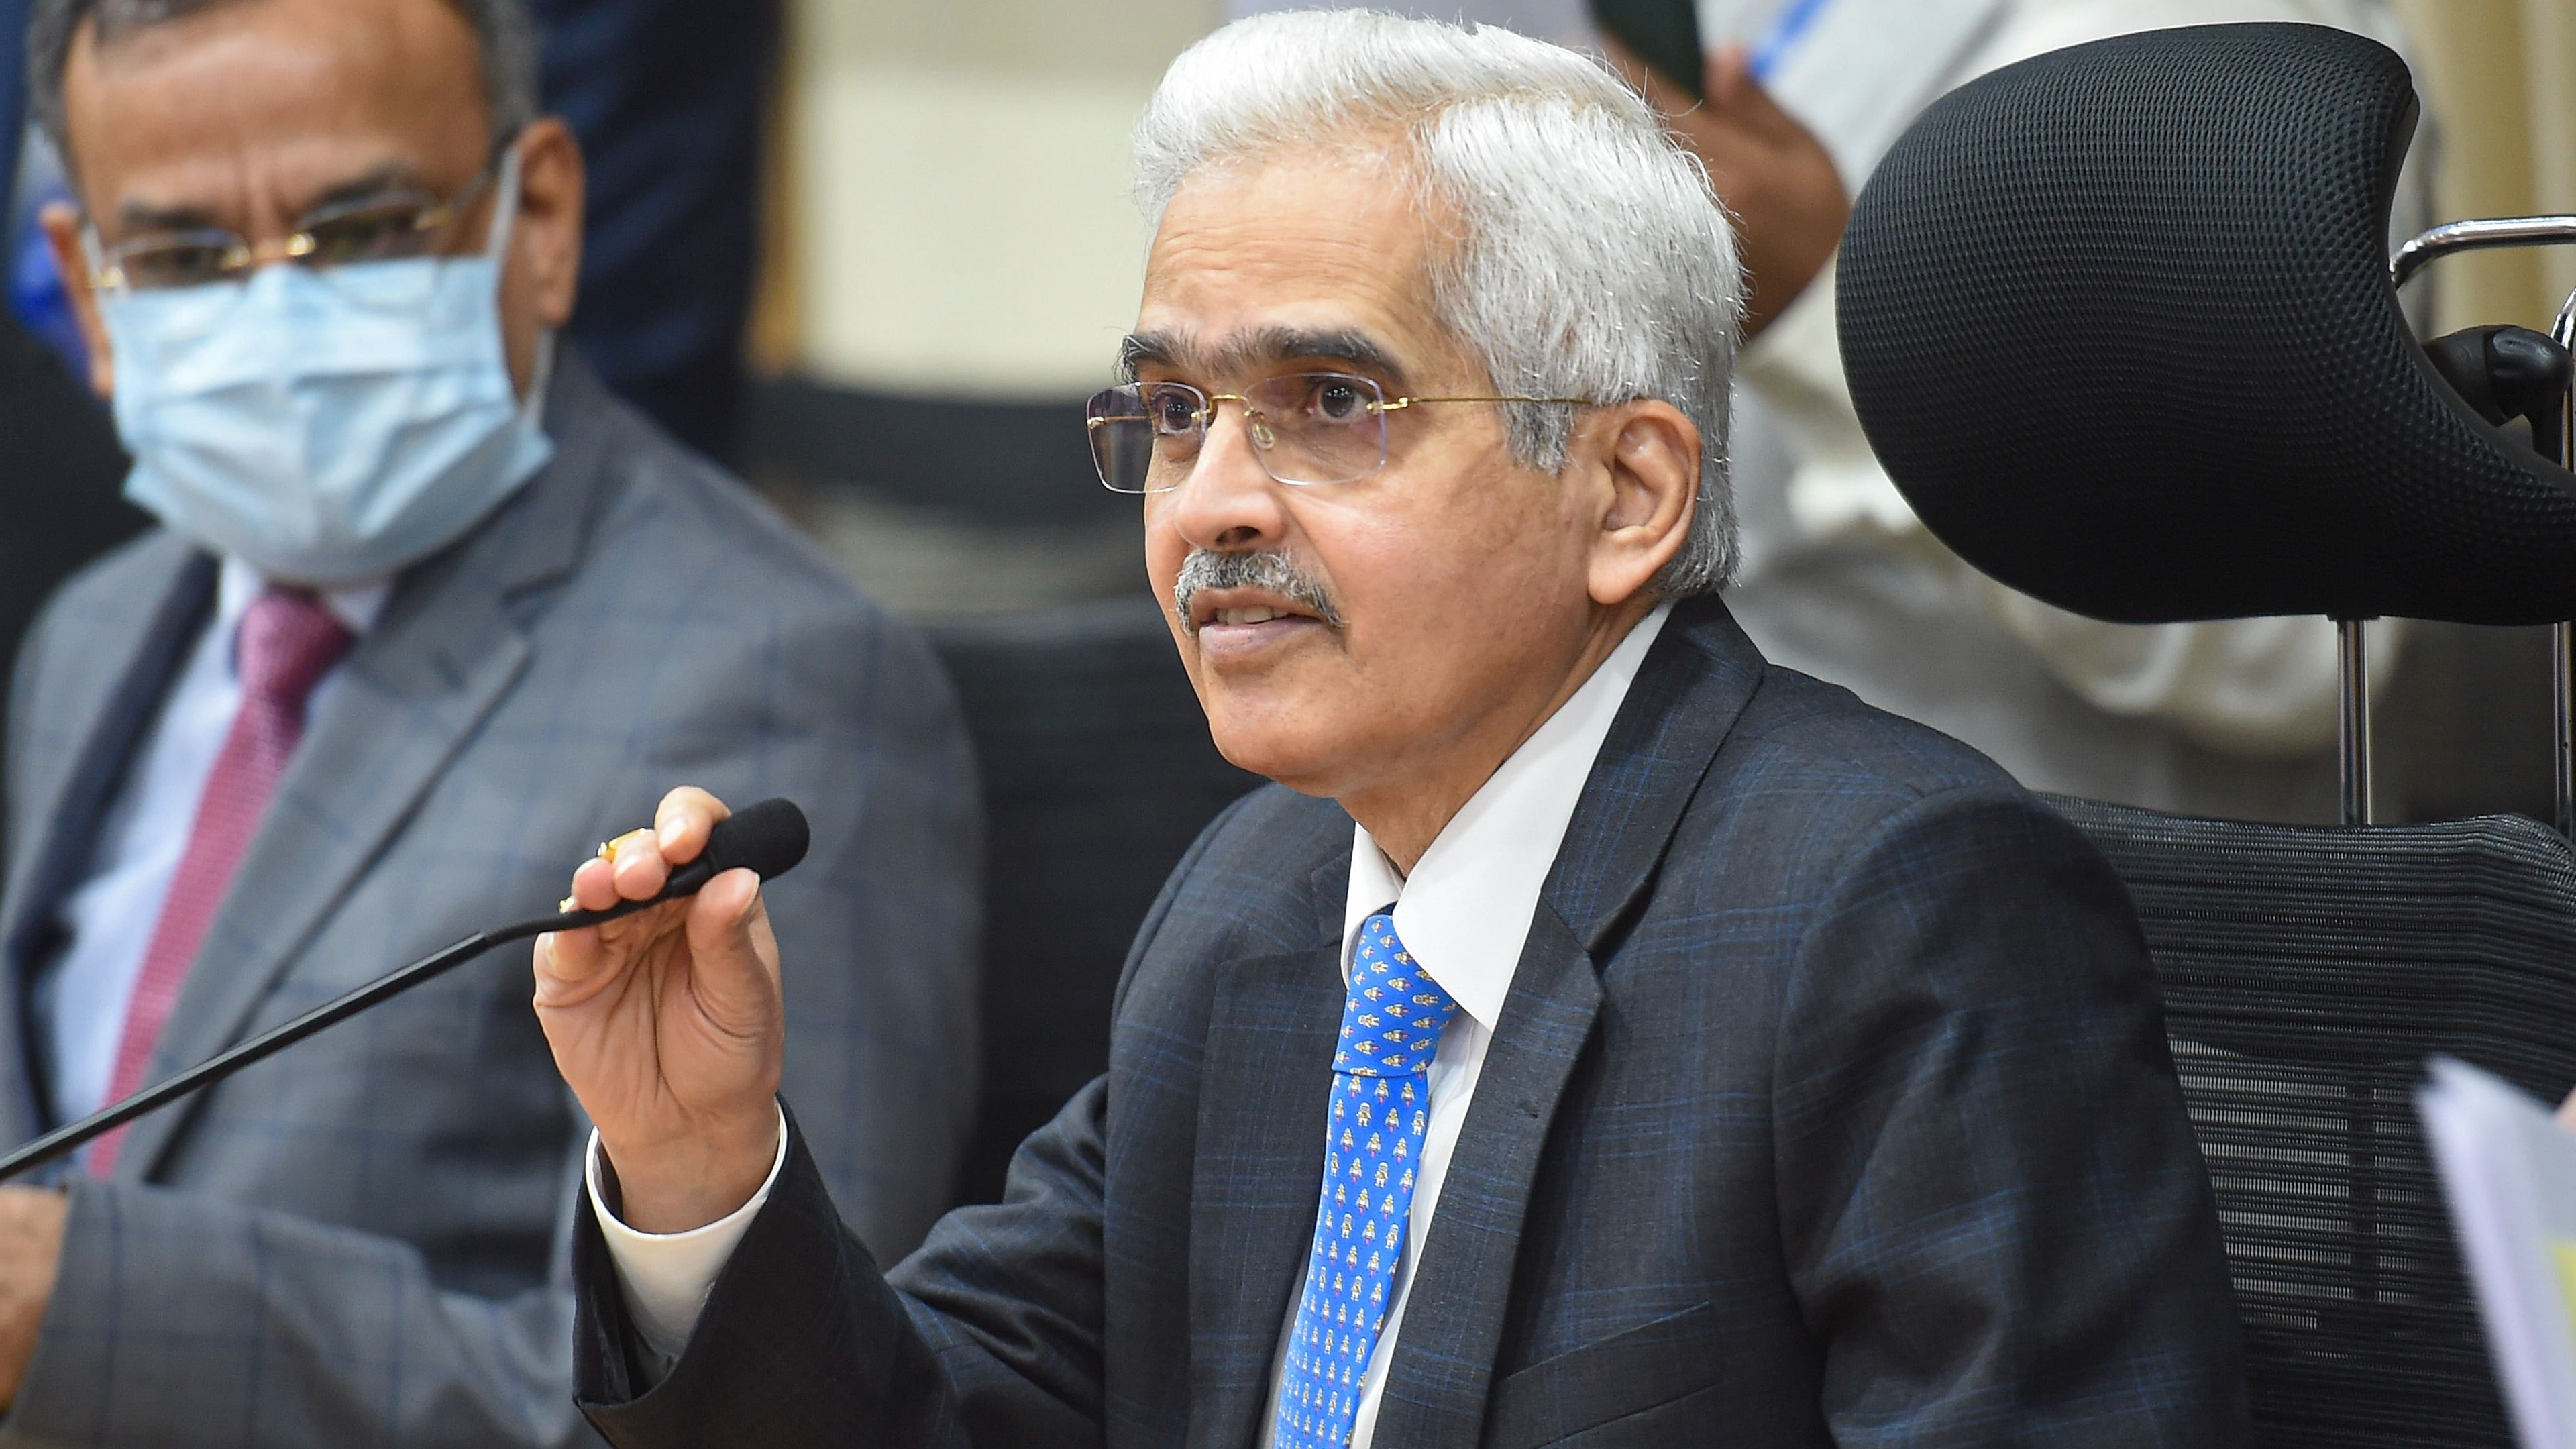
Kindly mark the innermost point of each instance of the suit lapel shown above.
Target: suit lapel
(70, 792)
(1695, 682)
(1258, 1166)
(445, 653)
(1444, 1352)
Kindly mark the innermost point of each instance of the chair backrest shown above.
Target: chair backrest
(1098, 773)
(2308, 972)
(2118, 320)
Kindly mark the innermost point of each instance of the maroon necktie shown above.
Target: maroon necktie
(288, 641)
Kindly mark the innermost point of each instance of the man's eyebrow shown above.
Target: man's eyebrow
(1273, 345)
(1266, 347)
(390, 179)
(393, 178)
(1140, 349)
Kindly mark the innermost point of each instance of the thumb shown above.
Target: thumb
(733, 956)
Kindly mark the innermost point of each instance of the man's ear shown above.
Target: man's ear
(1648, 452)
(62, 224)
(543, 276)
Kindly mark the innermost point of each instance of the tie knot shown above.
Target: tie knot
(1392, 1024)
(288, 641)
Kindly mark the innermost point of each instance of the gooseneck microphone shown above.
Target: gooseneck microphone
(767, 839)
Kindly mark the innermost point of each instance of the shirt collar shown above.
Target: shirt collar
(355, 605)
(1465, 911)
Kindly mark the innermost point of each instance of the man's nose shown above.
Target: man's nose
(1229, 500)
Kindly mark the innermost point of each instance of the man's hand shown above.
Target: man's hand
(1788, 199)
(31, 1251)
(669, 1024)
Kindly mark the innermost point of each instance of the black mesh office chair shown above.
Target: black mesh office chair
(2121, 324)
(1098, 773)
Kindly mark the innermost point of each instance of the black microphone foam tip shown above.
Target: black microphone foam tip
(767, 839)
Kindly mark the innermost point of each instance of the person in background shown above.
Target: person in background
(2235, 718)
(667, 98)
(1597, 1036)
(425, 606)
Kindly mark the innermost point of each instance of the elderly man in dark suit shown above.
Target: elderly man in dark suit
(1606, 1038)
(426, 605)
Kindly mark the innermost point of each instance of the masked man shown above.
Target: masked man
(426, 606)
(1611, 1039)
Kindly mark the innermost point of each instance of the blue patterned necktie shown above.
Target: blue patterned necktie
(1373, 1142)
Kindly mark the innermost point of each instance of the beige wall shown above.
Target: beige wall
(955, 212)
(2501, 77)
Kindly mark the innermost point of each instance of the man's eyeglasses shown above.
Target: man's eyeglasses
(1306, 428)
(389, 228)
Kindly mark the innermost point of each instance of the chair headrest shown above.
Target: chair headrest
(2118, 321)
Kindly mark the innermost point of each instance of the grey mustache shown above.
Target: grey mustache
(1273, 572)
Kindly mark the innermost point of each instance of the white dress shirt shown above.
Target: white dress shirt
(1463, 913)
(80, 999)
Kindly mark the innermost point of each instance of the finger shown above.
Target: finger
(680, 826)
(565, 963)
(733, 956)
(594, 886)
(637, 864)
(1727, 75)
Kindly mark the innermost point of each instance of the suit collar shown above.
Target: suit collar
(447, 649)
(1465, 909)
(1695, 683)
(1696, 679)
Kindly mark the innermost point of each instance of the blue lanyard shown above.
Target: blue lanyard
(1784, 35)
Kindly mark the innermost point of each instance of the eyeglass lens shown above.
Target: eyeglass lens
(380, 231)
(1306, 428)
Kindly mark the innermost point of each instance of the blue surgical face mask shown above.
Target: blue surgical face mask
(328, 427)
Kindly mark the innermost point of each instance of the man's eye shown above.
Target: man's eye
(1337, 400)
(175, 265)
(367, 236)
(1173, 411)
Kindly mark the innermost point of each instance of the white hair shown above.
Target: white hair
(1592, 259)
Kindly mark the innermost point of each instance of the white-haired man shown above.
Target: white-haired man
(1606, 1038)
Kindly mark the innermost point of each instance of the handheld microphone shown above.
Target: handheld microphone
(767, 839)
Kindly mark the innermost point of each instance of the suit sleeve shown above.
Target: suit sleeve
(179, 1320)
(990, 1335)
(1994, 1213)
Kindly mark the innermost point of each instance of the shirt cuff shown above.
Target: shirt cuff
(666, 1276)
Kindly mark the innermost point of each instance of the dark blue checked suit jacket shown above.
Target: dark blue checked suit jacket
(1830, 1105)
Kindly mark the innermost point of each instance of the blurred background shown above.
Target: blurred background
(952, 255)
(904, 247)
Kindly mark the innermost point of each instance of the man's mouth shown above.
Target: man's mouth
(1258, 594)
(1253, 616)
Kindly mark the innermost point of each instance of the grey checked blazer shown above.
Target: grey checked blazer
(363, 1241)
(1830, 1105)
